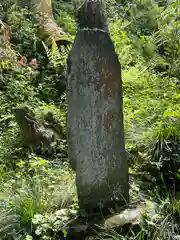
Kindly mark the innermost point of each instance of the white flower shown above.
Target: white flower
(38, 218)
(28, 237)
(62, 212)
(38, 231)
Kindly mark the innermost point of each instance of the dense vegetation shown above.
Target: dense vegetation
(38, 196)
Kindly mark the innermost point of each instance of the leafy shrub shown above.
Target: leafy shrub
(33, 189)
(23, 31)
(66, 21)
(35, 192)
(50, 226)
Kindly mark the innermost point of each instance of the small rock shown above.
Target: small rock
(41, 137)
(128, 216)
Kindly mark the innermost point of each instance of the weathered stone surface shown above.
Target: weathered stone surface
(95, 121)
(128, 216)
(92, 14)
(41, 137)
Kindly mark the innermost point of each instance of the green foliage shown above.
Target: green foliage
(23, 30)
(59, 113)
(143, 15)
(37, 196)
(56, 58)
(149, 101)
(50, 226)
(67, 21)
(33, 189)
(146, 32)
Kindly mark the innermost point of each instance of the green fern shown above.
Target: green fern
(56, 57)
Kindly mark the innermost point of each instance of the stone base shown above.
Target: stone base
(103, 209)
(85, 228)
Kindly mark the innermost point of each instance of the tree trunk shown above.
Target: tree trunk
(48, 27)
(43, 15)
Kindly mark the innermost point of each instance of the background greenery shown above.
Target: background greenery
(38, 197)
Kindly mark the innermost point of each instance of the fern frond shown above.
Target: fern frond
(56, 57)
(48, 51)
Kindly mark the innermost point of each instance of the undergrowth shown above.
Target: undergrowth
(37, 196)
